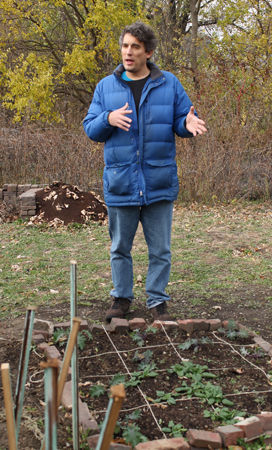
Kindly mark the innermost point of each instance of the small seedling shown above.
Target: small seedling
(174, 430)
(96, 390)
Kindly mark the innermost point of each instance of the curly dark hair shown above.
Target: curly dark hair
(143, 33)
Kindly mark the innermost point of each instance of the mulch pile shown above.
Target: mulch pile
(63, 204)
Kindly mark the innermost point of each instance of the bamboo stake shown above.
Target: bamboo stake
(8, 406)
(74, 364)
(117, 396)
(23, 365)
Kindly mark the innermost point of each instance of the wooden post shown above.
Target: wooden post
(117, 396)
(9, 406)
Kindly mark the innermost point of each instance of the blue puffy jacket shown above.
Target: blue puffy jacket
(140, 165)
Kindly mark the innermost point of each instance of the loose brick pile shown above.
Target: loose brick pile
(223, 436)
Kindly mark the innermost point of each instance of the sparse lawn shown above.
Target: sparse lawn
(221, 255)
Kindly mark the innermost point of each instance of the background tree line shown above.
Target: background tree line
(53, 53)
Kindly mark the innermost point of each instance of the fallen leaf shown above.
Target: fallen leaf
(216, 307)
(52, 291)
(239, 371)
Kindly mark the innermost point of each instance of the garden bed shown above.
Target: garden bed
(173, 382)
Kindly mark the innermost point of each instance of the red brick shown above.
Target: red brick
(186, 325)
(43, 332)
(214, 324)
(42, 346)
(66, 398)
(83, 412)
(119, 325)
(201, 325)
(268, 440)
(167, 324)
(164, 444)
(96, 329)
(137, 324)
(51, 352)
(252, 427)
(200, 438)
(37, 339)
(263, 344)
(92, 441)
(266, 420)
(91, 425)
(69, 373)
(229, 434)
(115, 446)
(66, 325)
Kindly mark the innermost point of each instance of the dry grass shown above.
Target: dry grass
(232, 161)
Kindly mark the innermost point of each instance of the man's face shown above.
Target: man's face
(134, 55)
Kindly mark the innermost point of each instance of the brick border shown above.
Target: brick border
(223, 436)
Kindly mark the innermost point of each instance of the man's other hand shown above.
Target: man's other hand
(119, 119)
(194, 124)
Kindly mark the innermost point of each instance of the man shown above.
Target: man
(136, 112)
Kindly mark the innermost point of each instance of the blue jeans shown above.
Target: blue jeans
(156, 220)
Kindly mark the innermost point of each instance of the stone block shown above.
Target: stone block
(166, 324)
(200, 438)
(135, 324)
(164, 444)
(186, 325)
(201, 325)
(214, 324)
(45, 325)
(51, 352)
(266, 420)
(229, 434)
(119, 325)
(252, 427)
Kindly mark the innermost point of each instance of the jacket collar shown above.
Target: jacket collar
(155, 72)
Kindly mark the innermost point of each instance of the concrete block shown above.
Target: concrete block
(229, 434)
(200, 438)
(263, 344)
(45, 325)
(12, 188)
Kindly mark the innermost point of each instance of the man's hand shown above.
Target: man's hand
(119, 119)
(194, 124)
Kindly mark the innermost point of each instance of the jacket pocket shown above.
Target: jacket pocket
(118, 179)
(158, 174)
